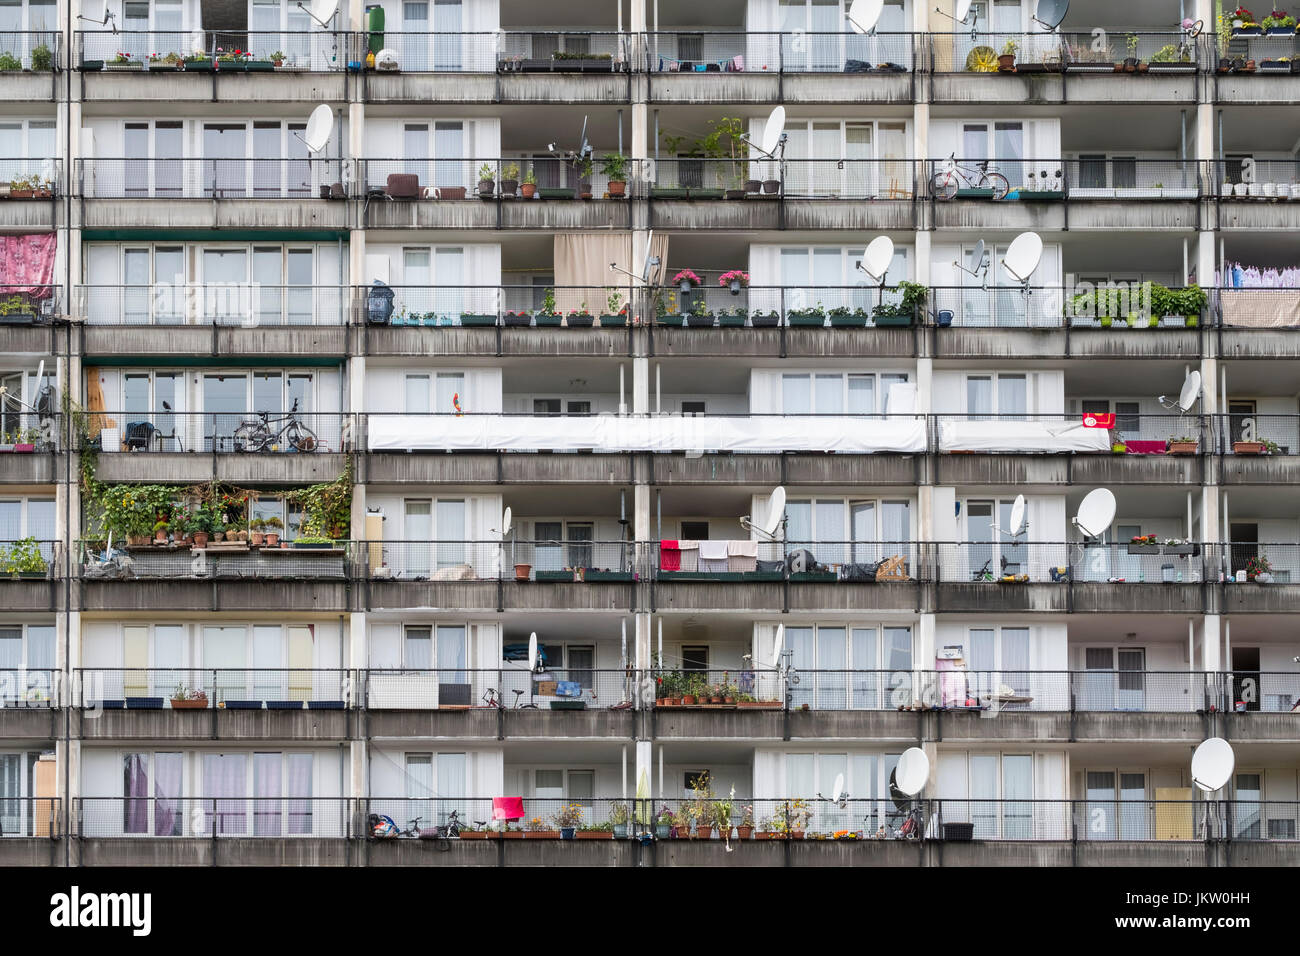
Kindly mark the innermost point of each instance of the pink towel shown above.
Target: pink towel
(670, 558)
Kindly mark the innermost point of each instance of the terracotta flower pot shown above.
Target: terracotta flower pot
(704, 833)
(272, 538)
(617, 187)
(256, 538)
(744, 833)
(688, 699)
(528, 190)
(160, 537)
(200, 539)
(522, 571)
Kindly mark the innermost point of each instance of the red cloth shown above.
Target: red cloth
(27, 264)
(507, 808)
(1098, 419)
(670, 556)
(1145, 447)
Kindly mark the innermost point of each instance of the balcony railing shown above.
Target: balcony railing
(28, 305)
(30, 817)
(219, 561)
(40, 50)
(223, 688)
(1262, 692)
(691, 50)
(30, 687)
(510, 688)
(475, 814)
(770, 433)
(1280, 561)
(797, 561)
(1049, 307)
(315, 51)
(29, 558)
(1255, 308)
(489, 178)
(546, 561)
(24, 432)
(1254, 179)
(1054, 52)
(244, 304)
(568, 52)
(214, 178)
(687, 177)
(509, 305)
(1009, 563)
(30, 177)
(1025, 433)
(209, 817)
(222, 432)
(1241, 434)
(1054, 179)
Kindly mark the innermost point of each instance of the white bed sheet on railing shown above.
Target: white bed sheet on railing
(1026, 436)
(614, 433)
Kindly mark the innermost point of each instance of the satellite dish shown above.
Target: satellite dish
(319, 127)
(40, 372)
(912, 772)
(1050, 13)
(532, 651)
(1190, 393)
(322, 11)
(875, 261)
(961, 10)
(1017, 516)
(584, 148)
(1212, 764)
(651, 260)
(773, 130)
(775, 511)
(779, 646)
(839, 787)
(976, 261)
(865, 14)
(1023, 256)
(1193, 29)
(1096, 512)
(507, 521)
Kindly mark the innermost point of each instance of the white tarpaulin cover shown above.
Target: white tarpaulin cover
(1022, 436)
(612, 433)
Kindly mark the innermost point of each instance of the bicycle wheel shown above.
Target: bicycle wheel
(996, 182)
(943, 185)
(300, 437)
(250, 437)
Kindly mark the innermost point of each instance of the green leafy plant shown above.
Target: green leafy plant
(614, 167)
(9, 62)
(1010, 47)
(24, 557)
(530, 177)
(486, 172)
(570, 815)
(42, 58)
(1131, 43)
(548, 302)
(613, 301)
(510, 171)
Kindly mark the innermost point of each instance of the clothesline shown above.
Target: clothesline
(1237, 276)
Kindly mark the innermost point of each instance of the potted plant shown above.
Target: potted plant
(529, 188)
(664, 823)
(255, 529)
(1244, 24)
(199, 63)
(185, 699)
(24, 560)
(584, 177)
(1007, 58)
(765, 320)
(614, 168)
(536, 829)
(1280, 24)
(486, 181)
(160, 531)
(1250, 447)
(509, 180)
(735, 280)
(123, 61)
(277, 59)
(42, 58)
(686, 280)
(911, 303)
(1131, 61)
(842, 317)
(522, 571)
(615, 314)
(1183, 445)
(567, 819)
(547, 316)
(722, 814)
(745, 828)
(580, 318)
(272, 536)
(809, 318)
(1259, 565)
(733, 318)
(620, 815)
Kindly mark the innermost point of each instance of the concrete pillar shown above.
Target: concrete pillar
(357, 660)
(352, 18)
(925, 641)
(1211, 658)
(641, 383)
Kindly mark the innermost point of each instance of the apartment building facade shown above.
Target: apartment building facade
(447, 389)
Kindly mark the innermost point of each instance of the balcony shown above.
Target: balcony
(219, 704)
(870, 194)
(162, 67)
(30, 830)
(1056, 195)
(546, 575)
(1256, 322)
(1260, 577)
(1058, 68)
(1257, 449)
(1255, 196)
(30, 193)
(31, 575)
(29, 447)
(32, 62)
(215, 319)
(1269, 82)
(215, 193)
(508, 66)
(31, 699)
(227, 575)
(27, 315)
(445, 194)
(691, 66)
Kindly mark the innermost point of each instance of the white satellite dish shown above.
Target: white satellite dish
(320, 125)
(1187, 397)
(1096, 512)
(40, 372)
(322, 11)
(1212, 764)
(773, 131)
(961, 10)
(1017, 516)
(1023, 256)
(775, 511)
(865, 14)
(1050, 13)
(651, 260)
(779, 646)
(912, 772)
(839, 787)
(875, 261)
(507, 521)
(976, 262)
(532, 651)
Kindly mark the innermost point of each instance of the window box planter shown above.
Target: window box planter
(541, 834)
(707, 193)
(771, 187)
(974, 194)
(1040, 195)
(517, 320)
(474, 834)
(731, 321)
(284, 705)
(568, 705)
(325, 705)
(91, 66)
(18, 318)
(201, 704)
(1255, 31)
(765, 320)
(199, 66)
(1248, 448)
(1144, 549)
(959, 832)
(594, 575)
(477, 319)
(700, 320)
(543, 576)
(848, 321)
(672, 321)
(1280, 32)
(549, 320)
(751, 576)
(1274, 66)
(130, 65)
(1173, 67)
(580, 321)
(814, 577)
(620, 831)
(313, 546)
(665, 192)
(582, 66)
(613, 321)
(892, 321)
(242, 705)
(231, 66)
(553, 192)
(807, 321)
(144, 703)
(6, 447)
(1182, 447)
(1186, 550)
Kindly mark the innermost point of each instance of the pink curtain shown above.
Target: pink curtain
(27, 264)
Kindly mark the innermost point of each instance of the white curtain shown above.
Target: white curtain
(762, 49)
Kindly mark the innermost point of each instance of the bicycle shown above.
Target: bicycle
(954, 175)
(493, 699)
(912, 827)
(259, 434)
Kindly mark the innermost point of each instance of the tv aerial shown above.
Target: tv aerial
(775, 517)
(322, 11)
(977, 263)
(110, 19)
(960, 14)
(1191, 391)
(865, 14)
(1050, 13)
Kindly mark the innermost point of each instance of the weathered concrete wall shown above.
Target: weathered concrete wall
(44, 595)
(225, 851)
(316, 341)
(1259, 470)
(31, 215)
(211, 595)
(229, 87)
(380, 468)
(1259, 598)
(211, 213)
(1258, 216)
(31, 723)
(483, 595)
(1137, 598)
(23, 87)
(496, 88)
(32, 339)
(759, 86)
(767, 597)
(215, 724)
(1052, 89)
(1260, 88)
(475, 213)
(31, 851)
(1258, 344)
(32, 469)
(239, 467)
(794, 344)
(986, 214)
(981, 598)
(798, 469)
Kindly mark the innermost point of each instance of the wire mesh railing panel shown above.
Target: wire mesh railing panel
(167, 430)
(210, 178)
(506, 688)
(37, 50)
(243, 304)
(496, 178)
(221, 688)
(31, 817)
(219, 560)
(578, 561)
(698, 51)
(237, 815)
(315, 51)
(511, 306)
(1257, 308)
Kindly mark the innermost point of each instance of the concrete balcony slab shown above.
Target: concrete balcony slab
(1259, 215)
(31, 595)
(241, 468)
(1056, 88)
(474, 213)
(205, 851)
(771, 597)
(31, 339)
(496, 468)
(1136, 598)
(1081, 343)
(30, 723)
(1251, 598)
(112, 341)
(1255, 88)
(308, 214)
(394, 88)
(762, 214)
(1259, 470)
(594, 342)
(31, 851)
(43, 468)
(303, 726)
(212, 595)
(1258, 727)
(179, 86)
(25, 86)
(1258, 344)
(759, 86)
(1010, 216)
(982, 598)
(794, 468)
(489, 595)
(30, 215)
(790, 343)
